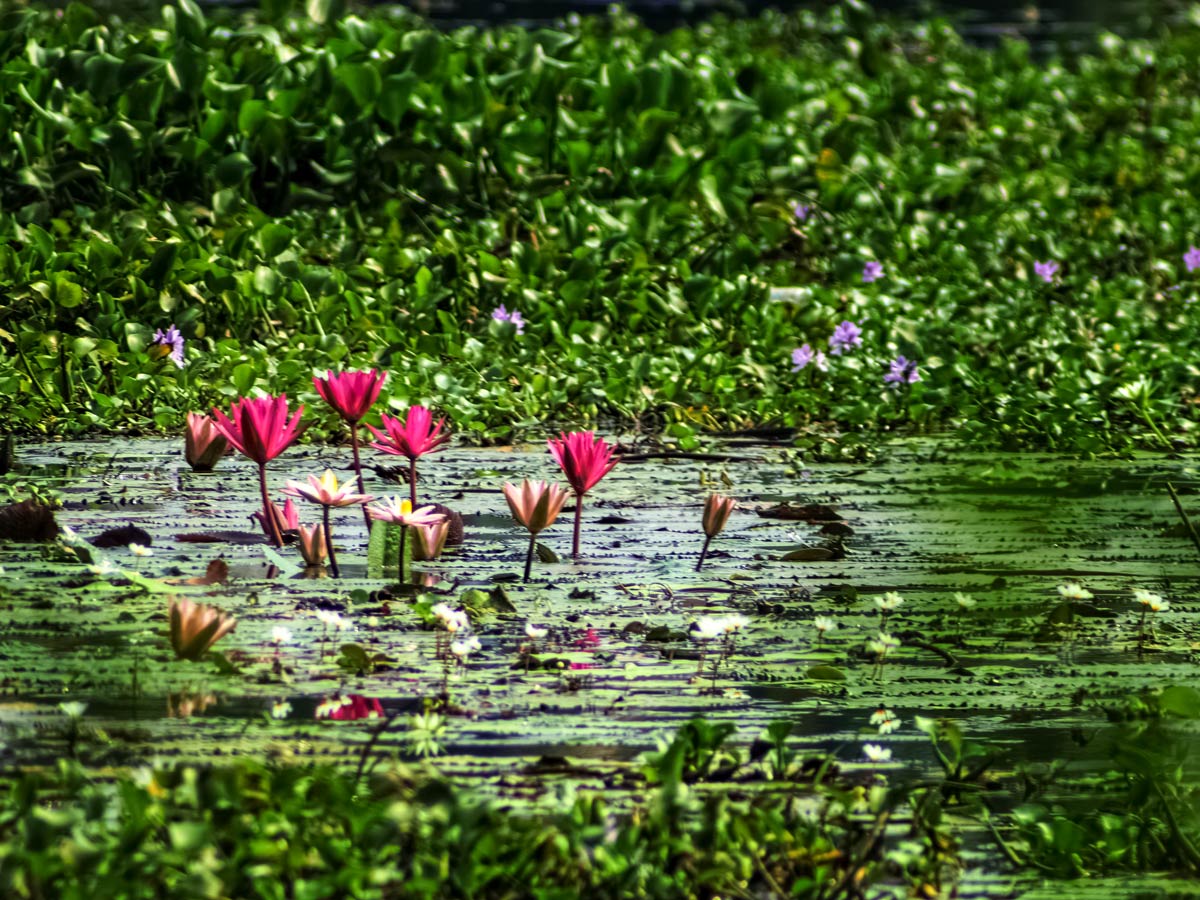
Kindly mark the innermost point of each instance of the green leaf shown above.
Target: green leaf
(825, 673)
(1180, 700)
(274, 238)
(233, 169)
(363, 81)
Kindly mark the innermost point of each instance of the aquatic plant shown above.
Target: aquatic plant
(352, 394)
(312, 544)
(204, 444)
(284, 519)
(260, 429)
(411, 438)
(402, 513)
(723, 628)
(195, 627)
(535, 505)
(429, 540)
(716, 513)
(326, 491)
(584, 459)
(168, 343)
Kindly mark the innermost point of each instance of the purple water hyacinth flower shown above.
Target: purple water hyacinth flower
(1191, 259)
(846, 336)
(173, 339)
(801, 211)
(801, 357)
(871, 271)
(500, 314)
(1046, 270)
(903, 371)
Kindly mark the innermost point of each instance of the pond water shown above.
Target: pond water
(920, 518)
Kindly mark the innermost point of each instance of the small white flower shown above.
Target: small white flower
(824, 624)
(281, 710)
(105, 567)
(735, 623)
(1153, 602)
(1072, 590)
(875, 753)
(331, 619)
(708, 627)
(886, 720)
(889, 601)
(534, 633)
(73, 709)
(139, 550)
(280, 635)
(883, 644)
(328, 707)
(965, 601)
(464, 647)
(451, 619)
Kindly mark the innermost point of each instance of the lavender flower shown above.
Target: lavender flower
(904, 371)
(173, 339)
(872, 271)
(500, 314)
(1046, 270)
(1191, 259)
(804, 355)
(846, 336)
(801, 211)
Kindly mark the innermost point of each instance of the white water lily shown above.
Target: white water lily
(280, 635)
(883, 644)
(886, 720)
(105, 567)
(331, 619)
(824, 624)
(706, 628)
(1072, 590)
(876, 753)
(451, 619)
(140, 550)
(1153, 602)
(73, 709)
(965, 601)
(534, 633)
(281, 709)
(735, 623)
(464, 647)
(889, 601)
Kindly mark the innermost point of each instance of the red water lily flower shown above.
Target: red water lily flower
(260, 429)
(204, 445)
(351, 394)
(584, 459)
(417, 435)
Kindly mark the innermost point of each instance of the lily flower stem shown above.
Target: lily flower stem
(400, 560)
(578, 525)
(529, 555)
(358, 471)
(333, 566)
(268, 509)
(412, 482)
(703, 552)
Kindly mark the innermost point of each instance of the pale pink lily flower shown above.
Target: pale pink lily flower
(204, 445)
(326, 491)
(401, 512)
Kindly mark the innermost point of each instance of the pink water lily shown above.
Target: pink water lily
(327, 492)
(535, 505)
(260, 428)
(312, 544)
(412, 438)
(204, 445)
(286, 519)
(584, 459)
(195, 627)
(716, 513)
(401, 512)
(430, 540)
(352, 394)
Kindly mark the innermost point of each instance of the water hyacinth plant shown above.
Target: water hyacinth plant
(204, 445)
(260, 428)
(584, 459)
(351, 394)
(326, 491)
(535, 505)
(411, 438)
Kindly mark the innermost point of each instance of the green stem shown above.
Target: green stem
(1191, 529)
(703, 552)
(333, 566)
(400, 561)
(1158, 434)
(578, 524)
(529, 554)
(268, 509)
(358, 472)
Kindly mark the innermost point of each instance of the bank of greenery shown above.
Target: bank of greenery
(296, 193)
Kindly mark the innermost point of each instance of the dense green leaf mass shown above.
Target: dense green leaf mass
(343, 190)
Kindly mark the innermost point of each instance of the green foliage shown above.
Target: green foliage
(345, 189)
(255, 830)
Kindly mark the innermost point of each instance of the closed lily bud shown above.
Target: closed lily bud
(195, 627)
(535, 504)
(312, 544)
(716, 513)
(204, 445)
(428, 540)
